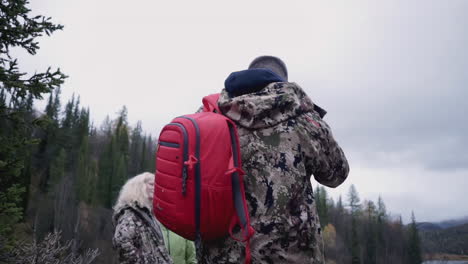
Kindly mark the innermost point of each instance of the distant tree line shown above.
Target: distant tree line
(76, 162)
(451, 240)
(364, 233)
(96, 161)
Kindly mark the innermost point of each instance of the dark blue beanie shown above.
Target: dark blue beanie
(249, 81)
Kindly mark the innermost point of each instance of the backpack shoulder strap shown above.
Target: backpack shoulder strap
(210, 103)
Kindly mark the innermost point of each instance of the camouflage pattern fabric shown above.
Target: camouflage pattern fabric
(136, 239)
(283, 142)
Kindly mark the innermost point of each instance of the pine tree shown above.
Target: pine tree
(103, 196)
(147, 157)
(414, 243)
(119, 177)
(353, 200)
(67, 122)
(113, 167)
(83, 170)
(143, 156)
(354, 204)
(120, 156)
(381, 209)
(53, 106)
(380, 228)
(370, 233)
(136, 141)
(149, 162)
(93, 183)
(322, 205)
(48, 148)
(18, 29)
(338, 218)
(84, 157)
(57, 169)
(105, 175)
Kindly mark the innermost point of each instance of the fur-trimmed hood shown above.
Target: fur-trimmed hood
(132, 206)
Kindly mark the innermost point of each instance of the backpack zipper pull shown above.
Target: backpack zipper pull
(190, 163)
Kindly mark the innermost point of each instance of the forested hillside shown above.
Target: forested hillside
(452, 240)
(358, 231)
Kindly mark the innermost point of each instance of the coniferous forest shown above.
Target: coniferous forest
(73, 172)
(356, 231)
(60, 173)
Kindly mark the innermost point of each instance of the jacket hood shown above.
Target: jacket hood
(275, 103)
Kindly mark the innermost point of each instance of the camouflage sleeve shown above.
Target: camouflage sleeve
(323, 157)
(124, 241)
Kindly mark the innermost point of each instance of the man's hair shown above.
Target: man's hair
(134, 192)
(272, 63)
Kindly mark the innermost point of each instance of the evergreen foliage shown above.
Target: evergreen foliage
(94, 164)
(364, 233)
(322, 202)
(354, 201)
(73, 165)
(19, 29)
(354, 204)
(76, 166)
(370, 233)
(414, 250)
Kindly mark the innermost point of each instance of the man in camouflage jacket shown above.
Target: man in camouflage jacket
(284, 141)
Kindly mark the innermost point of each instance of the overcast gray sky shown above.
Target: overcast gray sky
(392, 75)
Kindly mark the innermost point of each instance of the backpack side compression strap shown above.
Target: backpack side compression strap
(239, 196)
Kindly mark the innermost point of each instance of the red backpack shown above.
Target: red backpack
(199, 190)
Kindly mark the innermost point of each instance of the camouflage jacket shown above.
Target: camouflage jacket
(283, 142)
(138, 238)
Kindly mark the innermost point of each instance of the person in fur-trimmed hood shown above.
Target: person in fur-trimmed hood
(284, 140)
(138, 237)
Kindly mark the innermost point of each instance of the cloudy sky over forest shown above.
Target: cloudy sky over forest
(392, 75)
